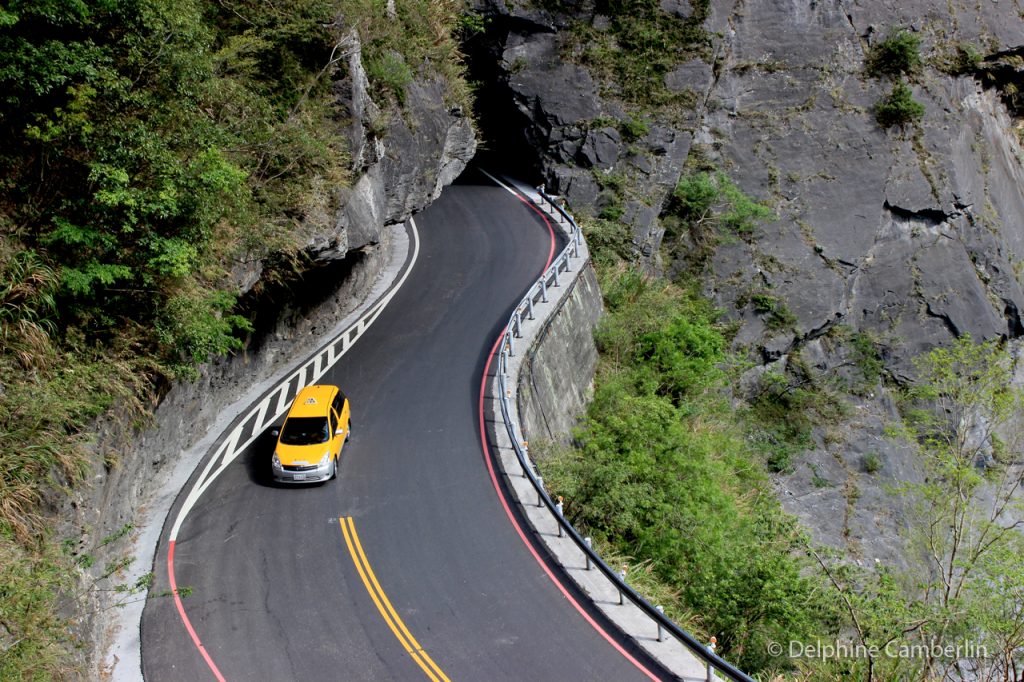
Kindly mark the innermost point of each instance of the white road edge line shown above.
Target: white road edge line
(231, 453)
(502, 184)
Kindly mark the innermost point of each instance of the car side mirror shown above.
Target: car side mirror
(275, 432)
(338, 432)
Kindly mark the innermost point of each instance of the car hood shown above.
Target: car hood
(301, 455)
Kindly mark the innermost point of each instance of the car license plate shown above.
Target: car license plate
(300, 477)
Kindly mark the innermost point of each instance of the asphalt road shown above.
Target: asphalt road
(275, 593)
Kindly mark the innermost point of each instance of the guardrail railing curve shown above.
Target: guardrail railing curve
(525, 310)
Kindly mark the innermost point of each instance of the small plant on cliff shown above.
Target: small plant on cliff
(899, 53)
(715, 201)
(872, 463)
(705, 207)
(898, 108)
(633, 129)
(389, 72)
(639, 47)
(961, 59)
(777, 314)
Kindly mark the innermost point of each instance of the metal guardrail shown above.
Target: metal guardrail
(525, 309)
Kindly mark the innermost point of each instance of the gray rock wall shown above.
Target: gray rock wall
(911, 236)
(558, 375)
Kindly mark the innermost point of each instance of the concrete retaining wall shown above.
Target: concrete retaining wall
(557, 378)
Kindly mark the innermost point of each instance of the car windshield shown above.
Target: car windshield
(304, 431)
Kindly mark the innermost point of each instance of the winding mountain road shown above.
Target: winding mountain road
(406, 567)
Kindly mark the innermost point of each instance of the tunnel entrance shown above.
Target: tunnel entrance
(504, 144)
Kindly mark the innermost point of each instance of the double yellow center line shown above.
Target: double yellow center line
(412, 647)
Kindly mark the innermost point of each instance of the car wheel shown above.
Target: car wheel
(334, 470)
(348, 436)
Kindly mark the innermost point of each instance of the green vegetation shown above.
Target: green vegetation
(633, 129)
(898, 108)
(967, 590)
(669, 477)
(961, 59)
(151, 148)
(777, 314)
(787, 404)
(899, 54)
(706, 207)
(422, 34)
(866, 357)
(872, 463)
(640, 47)
(664, 474)
(31, 582)
(608, 242)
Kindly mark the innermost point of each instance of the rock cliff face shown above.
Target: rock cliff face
(907, 236)
(401, 161)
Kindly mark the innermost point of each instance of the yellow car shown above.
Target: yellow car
(310, 440)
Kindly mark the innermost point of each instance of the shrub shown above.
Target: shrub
(633, 129)
(866, 357)
(390, 74)
(640, 45)
(872, 463)
(898, 54)
(663, 474)
(964, 59)
(609, 241)
(777, 314)
(898, 108)
(714, 200)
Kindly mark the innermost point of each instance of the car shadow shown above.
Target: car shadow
(258, 455)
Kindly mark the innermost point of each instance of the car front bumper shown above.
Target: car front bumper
(314, 474)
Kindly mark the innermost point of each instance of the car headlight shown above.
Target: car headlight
(325, 460)
(276, 461)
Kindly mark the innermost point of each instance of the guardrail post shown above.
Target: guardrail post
(543, 289)
(529, 306)
(540, 486)
(558, 508)
(556, 275)
(503, 362)
(515, 325)
(590, 545)
(622, 577)
(511, 347)
(661, 610)
(711, 647)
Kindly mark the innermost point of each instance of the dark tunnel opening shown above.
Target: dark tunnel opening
(505, 144)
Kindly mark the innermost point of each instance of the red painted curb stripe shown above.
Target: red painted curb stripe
(551, 249)
(504, 501)
(184, 617)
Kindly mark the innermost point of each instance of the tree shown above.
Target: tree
(971, 443)
(958, 612)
